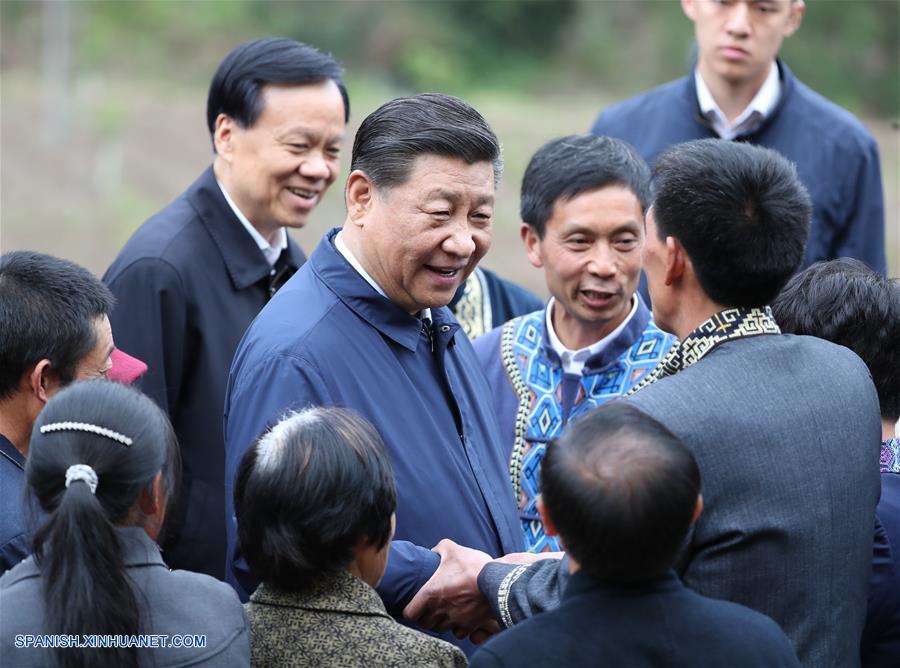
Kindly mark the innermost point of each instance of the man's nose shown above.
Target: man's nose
(315, 166)
(459, 242)
(602, 262)
(738, 21)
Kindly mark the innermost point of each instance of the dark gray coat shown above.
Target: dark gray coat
(171, 602)
(786, 431)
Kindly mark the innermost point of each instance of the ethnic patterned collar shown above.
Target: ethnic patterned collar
(890, 455)
(731, 323)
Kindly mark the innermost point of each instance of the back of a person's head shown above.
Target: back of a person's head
(95, 448)
(569, 166)
(307, 492)
(846, 302)
(741, 213)
(622, 491)
(391, 138)
(236, 87)
(48, 310)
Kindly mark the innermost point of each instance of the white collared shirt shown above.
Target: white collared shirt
(271, 252)
(344, 250)
(756, 112)
(573, 360)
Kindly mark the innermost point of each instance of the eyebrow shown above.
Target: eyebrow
(574, 227)
(441, 193)
(307, 132)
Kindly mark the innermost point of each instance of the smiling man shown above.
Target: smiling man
(583, 202)
(740, 90)
(364, 325)
(193, 276)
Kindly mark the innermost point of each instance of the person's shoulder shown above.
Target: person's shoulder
(826, 119)
(650, 103)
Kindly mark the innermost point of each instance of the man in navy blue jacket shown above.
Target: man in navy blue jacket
(194, 275)
(740, 91)
(364, 325)
(622, 491)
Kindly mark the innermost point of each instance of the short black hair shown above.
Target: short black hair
(307, 491)
(48, 310)
(394, 135)
(621, 489)
(846, 302)
(741, 213)
(236, 87)
(569, 166)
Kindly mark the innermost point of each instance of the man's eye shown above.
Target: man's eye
(481, 219)
(298, 147)
(333, 152)
(440, 215)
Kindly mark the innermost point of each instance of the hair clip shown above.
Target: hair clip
(86, 426)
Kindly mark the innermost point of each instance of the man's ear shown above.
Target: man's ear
(549, 525)
(676, 259)
(532, 245)
(795, 18)
(42, 381)
(224, 136)
(360, 195)
(687, 6)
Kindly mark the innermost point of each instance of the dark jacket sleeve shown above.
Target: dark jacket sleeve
(257, 397)
(149, 321)
(863, 229)
(516, 593)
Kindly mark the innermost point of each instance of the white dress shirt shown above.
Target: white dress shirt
(573, 360)
(272, 252)
(748, 120)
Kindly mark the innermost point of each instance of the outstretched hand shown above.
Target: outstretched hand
(451, 598)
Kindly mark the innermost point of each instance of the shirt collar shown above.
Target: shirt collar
(344, 250)
(245, 264)
(369, 303)
(760, 107)
(271, 252)
(10, 452)
(573, 360)
(340, 592)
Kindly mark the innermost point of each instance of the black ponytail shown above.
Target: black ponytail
(86, 588)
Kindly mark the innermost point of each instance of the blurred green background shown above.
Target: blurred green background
(102, 103)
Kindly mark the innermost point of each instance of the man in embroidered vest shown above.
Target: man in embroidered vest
(740, 90)
(786, 429)
(583, 202)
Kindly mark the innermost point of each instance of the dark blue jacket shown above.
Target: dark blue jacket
(836, 157)
(187, 285)
(328, 338)
(13, 544)
(658, 623)
(880, 644)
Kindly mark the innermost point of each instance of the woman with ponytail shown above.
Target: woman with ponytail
(102, 468)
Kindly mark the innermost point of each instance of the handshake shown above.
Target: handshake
(451, 599)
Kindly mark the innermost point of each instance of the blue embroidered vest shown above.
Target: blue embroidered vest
(548, 398)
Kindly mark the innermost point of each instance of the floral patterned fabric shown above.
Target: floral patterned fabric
(340, 622)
